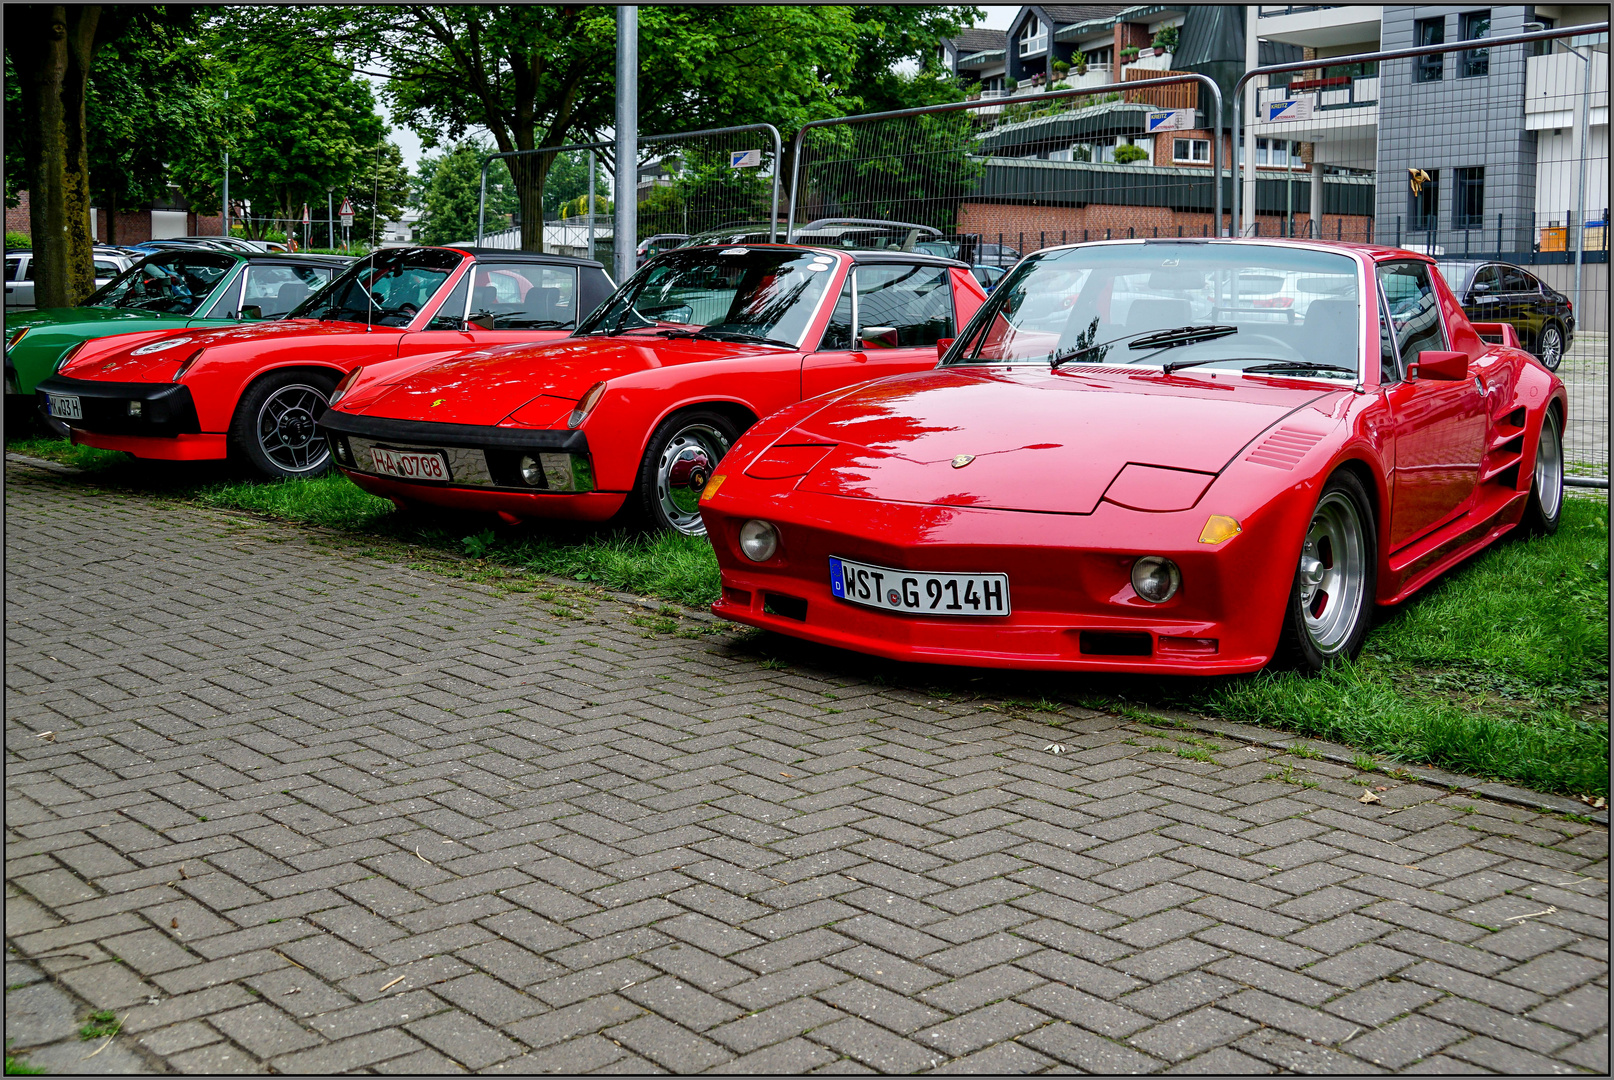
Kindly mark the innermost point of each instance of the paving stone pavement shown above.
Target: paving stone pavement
(306, 810)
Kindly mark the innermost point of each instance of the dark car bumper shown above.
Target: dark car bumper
(120, 408)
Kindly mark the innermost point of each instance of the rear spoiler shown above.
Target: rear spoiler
(1497, 333)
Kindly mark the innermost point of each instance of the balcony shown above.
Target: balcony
(1553, 86)
(1322, 24)
(1344, 121)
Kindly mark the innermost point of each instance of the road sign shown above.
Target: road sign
(1170, 120)
(745, 159)
(1290, 109)
(306, 219)
(346, 214)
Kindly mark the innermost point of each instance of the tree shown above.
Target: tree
(449, 206)
(380, 191)
(568, 181)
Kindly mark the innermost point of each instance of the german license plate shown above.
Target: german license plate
(915, 593)
(410, 464)
(65, 406)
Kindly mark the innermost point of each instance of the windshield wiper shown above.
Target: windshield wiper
(1149, 339)
(1301, 365)
(740, 335)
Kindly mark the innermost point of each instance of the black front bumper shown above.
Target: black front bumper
(422, 432)
(120, 408)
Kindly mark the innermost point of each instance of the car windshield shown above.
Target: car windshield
(756, 293)
(387, 289)
(173, 283)
(1278, 309)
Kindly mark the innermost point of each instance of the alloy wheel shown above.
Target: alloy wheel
(1549, 468)
(1333, 573)
(1551, 348)
(286, 431)
(685, 466)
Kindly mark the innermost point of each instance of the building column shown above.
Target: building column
(1316, 197)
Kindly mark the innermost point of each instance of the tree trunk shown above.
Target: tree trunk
(52, 47)
(528, 174)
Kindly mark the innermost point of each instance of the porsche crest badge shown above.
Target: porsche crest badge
(962, 460)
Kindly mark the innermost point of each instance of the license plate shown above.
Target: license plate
(65, 406)
(410, 464)
(915, 593)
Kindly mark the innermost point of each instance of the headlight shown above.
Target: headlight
(531, 471)
(586, 406)
(758, 540)
(1155, 578)
(179, 372)
(342, 387)
(16, 336)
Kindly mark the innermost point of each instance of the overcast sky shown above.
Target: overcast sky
(997, 18)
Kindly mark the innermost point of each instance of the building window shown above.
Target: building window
(1033, 37)
(1475, 25)
(1273, 152)
(1429, 68)
(1190, 150)
(1468, 199)
(1539, 48)
(1425, 207)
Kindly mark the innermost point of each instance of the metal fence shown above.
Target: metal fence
(1489, 149)
(993, 178)
(689, 183)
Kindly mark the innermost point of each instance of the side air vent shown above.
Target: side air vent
(1284, 448)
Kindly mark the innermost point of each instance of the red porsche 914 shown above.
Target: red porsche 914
(634, 412)
(1174, 456)
(253, 392)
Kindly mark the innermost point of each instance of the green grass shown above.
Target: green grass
(100, 1025)
(1498, 670)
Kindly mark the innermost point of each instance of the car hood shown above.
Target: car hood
(1042, 441)
(486, 386)
(94, 319)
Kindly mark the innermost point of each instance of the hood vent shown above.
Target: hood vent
(1284, 448)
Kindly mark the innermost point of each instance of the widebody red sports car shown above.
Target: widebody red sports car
(634, 411)
(254, 391)
(1172, 456)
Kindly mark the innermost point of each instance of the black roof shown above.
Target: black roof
(508, 255)
(975, 39)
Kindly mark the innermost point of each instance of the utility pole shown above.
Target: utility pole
(591, 204)
(226, 183)
(330, 220)
(625, 228)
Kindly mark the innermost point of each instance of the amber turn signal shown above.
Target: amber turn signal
(712, 485)
(1219, 527)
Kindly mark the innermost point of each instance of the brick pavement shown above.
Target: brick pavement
(305, 810)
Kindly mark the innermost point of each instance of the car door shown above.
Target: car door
(501, 303)
(1483, 300)
(19, 281)
(1521, 296)
(1438, 425)
(886, 321)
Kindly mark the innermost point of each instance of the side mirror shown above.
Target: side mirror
(879, 337)
(1479, 287)
(481, 321)
(942, 345)
(1446, 366)
(251, 311)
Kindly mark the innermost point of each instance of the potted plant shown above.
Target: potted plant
(1127, 154)
(1061, 69)
(1129, 53)
(1165, 40)
(1010, 83)
(1080, 60)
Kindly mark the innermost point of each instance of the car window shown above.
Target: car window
(14, 268)
(838, 334)
(902, 306)
(1515, 280)
(173, 282)
(275, 290)
(451, 313)
(525, 296)
(1485, 275)
(389, 288)
(106, 268)
(1414, 308)
(1389, 363)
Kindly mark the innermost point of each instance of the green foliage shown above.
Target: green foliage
(17, 241)
(1166, 38)
(579, 207)
(567, 183)
(1011, 83)
(1127, 154)
(18, 1065)
(449, 199)
(1061, 69)
(100, 1025)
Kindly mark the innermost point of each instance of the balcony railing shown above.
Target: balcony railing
(1293, 9)
(1335, 93)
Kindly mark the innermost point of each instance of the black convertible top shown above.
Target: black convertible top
(508, 255)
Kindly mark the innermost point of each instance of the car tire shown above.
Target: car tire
(1545, 506)
(1330, 606)
(683, 453)
(1550, 346)
(273, 429)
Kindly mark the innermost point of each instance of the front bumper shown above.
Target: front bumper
(484, 466)
(144, 410)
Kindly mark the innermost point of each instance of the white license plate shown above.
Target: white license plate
(65, 406)
(410, 464)
(916, 593)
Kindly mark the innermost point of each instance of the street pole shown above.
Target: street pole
(591, 204)
(226, 183)
(330, 220)
(625, 227)
(1580, 188)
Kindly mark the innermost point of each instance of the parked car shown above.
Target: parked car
(868, 234)
(633, 413)
(1159, 494)
(988, 276)
(109, 263)
(999, 255)
(652, 246)
(253, 392)
(171, 290)
(1502, 292)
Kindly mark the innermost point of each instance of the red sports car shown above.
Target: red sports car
(254, 391)
(1170, 456)
(635, 410)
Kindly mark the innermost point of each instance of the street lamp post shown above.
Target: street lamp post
(625, 227)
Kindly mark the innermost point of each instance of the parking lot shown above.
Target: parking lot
(280, 805)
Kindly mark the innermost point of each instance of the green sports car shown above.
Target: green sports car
(171, 290)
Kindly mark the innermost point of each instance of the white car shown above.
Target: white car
(109, 263)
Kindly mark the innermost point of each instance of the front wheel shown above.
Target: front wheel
(1546, 504)
(273, 429)
(1550, 347)
(683, 453)
(1331, 601)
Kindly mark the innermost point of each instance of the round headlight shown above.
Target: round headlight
(1156, 579)
(531, 471)
(759, 540)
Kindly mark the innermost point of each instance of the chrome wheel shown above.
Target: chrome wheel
(685, 464)
(1550, 349)
(1549, 468)
(286, 432)
(1333, 573)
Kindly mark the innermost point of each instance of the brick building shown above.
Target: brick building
(159, 221)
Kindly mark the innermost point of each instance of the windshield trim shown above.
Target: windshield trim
(842, 261)
(234, 260)
(422, 317)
